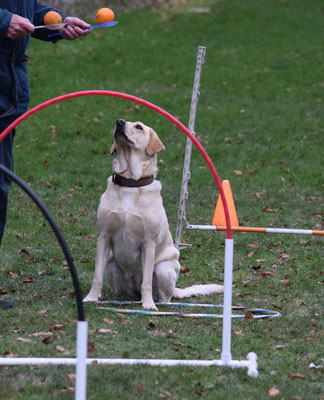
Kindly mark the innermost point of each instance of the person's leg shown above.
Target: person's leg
(5, 183)
(7, 160)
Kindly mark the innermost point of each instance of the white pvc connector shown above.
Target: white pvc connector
(227, 310)
(81, 361)
(253, 365)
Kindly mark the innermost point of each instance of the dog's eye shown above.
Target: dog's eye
(139, 127)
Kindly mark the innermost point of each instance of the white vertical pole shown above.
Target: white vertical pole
(227, 310)
(81, 362)
(187, 159)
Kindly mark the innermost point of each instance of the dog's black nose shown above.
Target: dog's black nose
(120, 122)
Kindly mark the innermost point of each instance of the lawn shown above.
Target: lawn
(260, 118)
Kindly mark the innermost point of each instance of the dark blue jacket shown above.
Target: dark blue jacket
(14, 86)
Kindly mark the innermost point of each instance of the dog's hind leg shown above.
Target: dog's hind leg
(103, 250)
(165, 280)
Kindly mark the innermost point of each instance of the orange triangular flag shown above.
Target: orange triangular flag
(219, 216)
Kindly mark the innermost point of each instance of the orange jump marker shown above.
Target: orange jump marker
(219, 216)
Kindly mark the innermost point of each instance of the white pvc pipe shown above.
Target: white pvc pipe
(202, 227)
(125, 361)
(292, 231)
(253, 366)
(81, 361)
(227, 310)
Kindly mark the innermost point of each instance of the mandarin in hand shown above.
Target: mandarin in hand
(52, 17)
(105, 15)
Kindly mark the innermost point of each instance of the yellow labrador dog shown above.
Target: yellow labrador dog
(135, 250)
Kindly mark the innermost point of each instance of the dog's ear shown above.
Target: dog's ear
(113, 149)
(154, 145)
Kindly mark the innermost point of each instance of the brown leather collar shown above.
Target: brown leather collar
(121, 181)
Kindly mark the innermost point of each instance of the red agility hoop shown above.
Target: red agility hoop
(146, 104)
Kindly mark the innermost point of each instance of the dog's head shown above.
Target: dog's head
(135, 147)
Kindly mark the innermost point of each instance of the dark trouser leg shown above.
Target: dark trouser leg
(7, 160)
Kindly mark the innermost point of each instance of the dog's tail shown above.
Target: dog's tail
(197, 290)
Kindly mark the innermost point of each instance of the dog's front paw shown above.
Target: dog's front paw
(91, 297)
(149, 305)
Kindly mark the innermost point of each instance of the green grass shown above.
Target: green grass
(260, 113)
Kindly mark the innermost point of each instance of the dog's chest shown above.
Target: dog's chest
(130, 214)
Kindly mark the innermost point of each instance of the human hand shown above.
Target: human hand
(19, 27)
(73, 28)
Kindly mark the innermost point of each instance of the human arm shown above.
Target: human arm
(14, 26)
(74, 28)
(71, 31)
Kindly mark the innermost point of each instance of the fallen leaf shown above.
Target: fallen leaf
(48, 339)
(29, 280)
(11, 273)
(72, 377)
(273, 391)
(251, 254)
(139, 388)
(239, 333)
(20, 339)
(39, 334)
(286, 282)
(296, 375)
(57, 327)
(265, 274)
(279, 346)
(103, 330)
(158, 332)
(61, 349)
(25, 251)
(152, 324)
(283, 255)
(248, 315)
(91, 348)
(236, 172)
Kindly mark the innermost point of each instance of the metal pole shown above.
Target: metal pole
(186, 166)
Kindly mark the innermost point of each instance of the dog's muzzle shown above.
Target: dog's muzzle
(120, 134)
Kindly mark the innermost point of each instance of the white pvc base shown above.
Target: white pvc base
(250, 363)
(82, 361)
